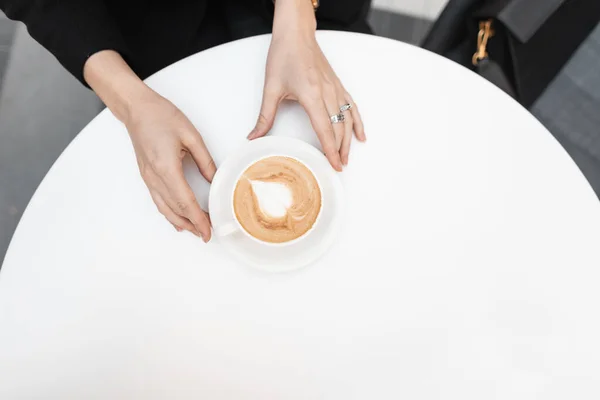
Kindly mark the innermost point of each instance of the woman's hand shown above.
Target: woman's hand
(161, 137)
(298, 70)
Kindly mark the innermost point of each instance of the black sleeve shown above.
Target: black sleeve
(72, 30)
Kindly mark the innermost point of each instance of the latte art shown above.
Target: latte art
(274, 198)
(277, 199)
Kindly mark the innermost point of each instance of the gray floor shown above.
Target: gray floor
(7, 31)
(570, 108)
(42, 108)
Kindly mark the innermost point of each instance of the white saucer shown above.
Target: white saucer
(268, 256)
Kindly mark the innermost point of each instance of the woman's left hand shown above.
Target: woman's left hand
(298, 70)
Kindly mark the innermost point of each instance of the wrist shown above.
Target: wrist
(295, 17)
(116, 84)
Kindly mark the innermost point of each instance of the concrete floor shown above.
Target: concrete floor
(42, 108)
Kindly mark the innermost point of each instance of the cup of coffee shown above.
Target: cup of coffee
(276, 200)
(276, 204)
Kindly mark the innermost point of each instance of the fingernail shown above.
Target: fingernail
(345, 160)
(205, 238)
(252, 134)
(178, 229)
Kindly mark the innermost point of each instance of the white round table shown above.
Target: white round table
(468, 267)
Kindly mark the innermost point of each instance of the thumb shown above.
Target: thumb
(271, 100)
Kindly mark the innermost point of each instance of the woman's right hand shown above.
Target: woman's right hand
(162, 135)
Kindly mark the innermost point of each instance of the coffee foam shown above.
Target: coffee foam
(274, 198)
(277, 199)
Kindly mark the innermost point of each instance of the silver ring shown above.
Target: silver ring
(346, 107)
(337, 118)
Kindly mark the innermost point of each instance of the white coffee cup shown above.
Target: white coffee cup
(275, 256)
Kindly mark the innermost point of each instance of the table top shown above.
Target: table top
(467, 268)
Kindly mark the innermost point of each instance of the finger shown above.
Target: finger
(178, 229)
(333, 107)
(359, 129)
(177, 221)
(195, 145)
(319, 118)
(183, 202)
(347, 140)
(271, 99)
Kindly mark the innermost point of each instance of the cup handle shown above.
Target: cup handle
(226, 229)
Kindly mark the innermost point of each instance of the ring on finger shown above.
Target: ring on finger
(337, 118)
(345, 107)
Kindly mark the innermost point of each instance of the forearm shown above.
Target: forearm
(294, 16)
(115, 83)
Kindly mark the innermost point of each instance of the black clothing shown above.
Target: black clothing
(151, 34)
